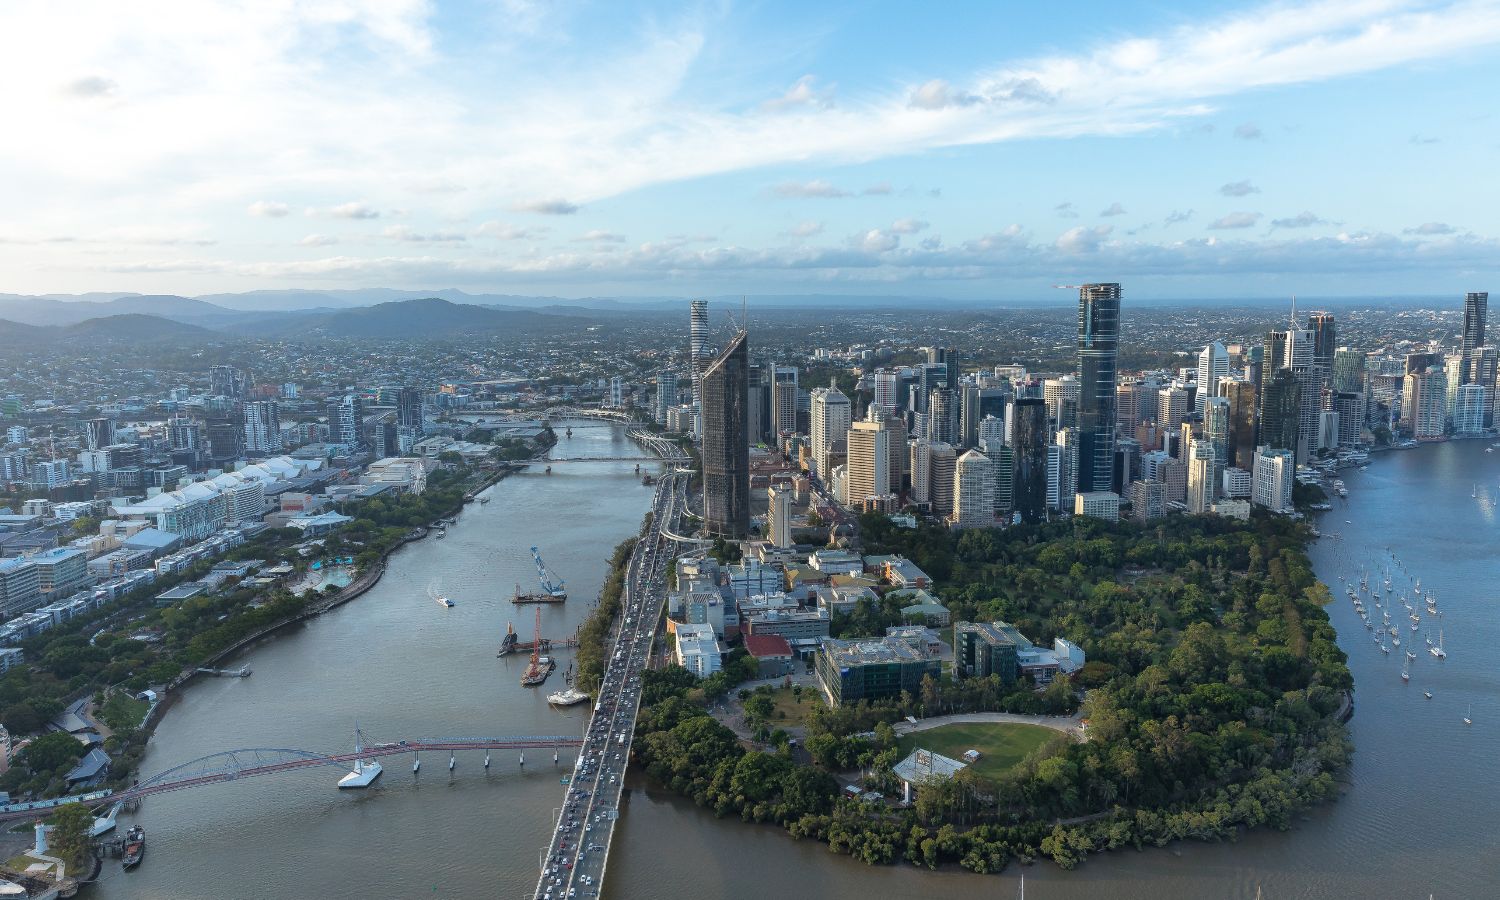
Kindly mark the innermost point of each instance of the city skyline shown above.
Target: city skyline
(1193, 152)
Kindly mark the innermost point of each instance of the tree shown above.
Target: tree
(51, 752)
(70, 841)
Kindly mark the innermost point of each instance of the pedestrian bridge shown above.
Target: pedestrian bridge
(233, 765)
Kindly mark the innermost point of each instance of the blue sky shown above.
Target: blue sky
(980, 150)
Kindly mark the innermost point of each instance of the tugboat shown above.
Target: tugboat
(508, 644)
(135, 847)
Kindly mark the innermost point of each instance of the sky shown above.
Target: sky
(968, 150)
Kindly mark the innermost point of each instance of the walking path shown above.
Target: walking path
(1072, 725)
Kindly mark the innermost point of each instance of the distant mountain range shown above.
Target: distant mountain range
(134, 328)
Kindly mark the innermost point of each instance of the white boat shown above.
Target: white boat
(437, 597)
(1469, 716)
(365, 770)
(1438, 651)
(567, 697)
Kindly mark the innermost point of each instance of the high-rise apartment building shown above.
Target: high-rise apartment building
(886, 385)
(1216, 432)
(921, 472)
(226, 381)
(1469, 410)
(726, 445)
(1028, 438)
(1275, 473)
(1348, 371)
(346, 418)
(1201, 481)
(942, 417)
(1098, 345)
(1147, 500)
(262, 427)
(943, 467)
(831, 417)
(974, 491)
(968, 397)
(1424, 404)
(1213, 367)
(1476, 310)
(868, 469)
(1061, 396)
(779, 517)
(1351, 409)
(1172, 407)
(666, 396)
(783, 400)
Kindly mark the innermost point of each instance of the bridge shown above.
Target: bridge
(578, 851)
(572, 459)
(234, 765)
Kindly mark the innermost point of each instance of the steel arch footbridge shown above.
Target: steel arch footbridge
(233, 765)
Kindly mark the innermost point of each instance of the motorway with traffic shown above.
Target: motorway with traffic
(573, 862)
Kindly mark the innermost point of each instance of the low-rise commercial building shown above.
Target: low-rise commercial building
(877, 669)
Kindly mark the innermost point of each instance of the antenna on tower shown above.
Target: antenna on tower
(1294, 310)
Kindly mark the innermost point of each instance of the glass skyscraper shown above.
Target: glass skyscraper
(726, 446)
(1098, 346)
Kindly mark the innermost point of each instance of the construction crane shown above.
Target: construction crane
(550, 582)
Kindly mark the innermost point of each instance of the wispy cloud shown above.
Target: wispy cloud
(1431, 228)
(1301, 220)
(804, 230)
(1249, 131)
(1066, 210)
(909, 226)
(600, 236)
(809, 189)
(804, 94)
(353, 210)
(547, 207)
(269, 209)
(1176, 216)
(411, 236)
(1114, 209)
(91, 86)
(1083, 239)
(1236, 220)
(1239, 189)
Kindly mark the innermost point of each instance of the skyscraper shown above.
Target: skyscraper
(1200, 486)
(1424, 404)
(666, 395)
(1476, 310)
(1028, 438)
(409, 412)
(1324, 340)
(783, 400)
(1213, 366)
(1274, 476)
(885, 385)
(262, 427)
(698, 344)
(1061, 395)
(1098, 344)
(726, 447)
(1301, 359)
(1241, 398)
(779, 517)
(974, 491)
(831, 417)
(1280, 402)
(868, 470)
(1348, 370)
(942, 417)
(346, 418)
(1216, 431)
(226, 381)
(968, 414)
(944, 459)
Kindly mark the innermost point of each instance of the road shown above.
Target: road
(574, 860)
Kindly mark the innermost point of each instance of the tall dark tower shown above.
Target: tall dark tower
(1028, 437)
(1324, 343)
(726, 445)
(1476, 308)
(1241, 396)
(1280, 410)
(1098, 345)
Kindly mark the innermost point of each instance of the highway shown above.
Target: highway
(574, 860)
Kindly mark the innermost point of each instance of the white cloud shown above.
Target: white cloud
(547, 207)
(908, 226)
(804, 229)
(1239, 189)
(504, 231)
(1301, 220)
(268, 208)
(91, 86)
(353, 210)
(880, 189)
(808, 189)
(318, 240)
(1083, 239)
(1236, 220)
(1114, 209)
(1429, 228)
(939, 94)
(803, 94)
(408, 235)
(599, 235)
(875, 241)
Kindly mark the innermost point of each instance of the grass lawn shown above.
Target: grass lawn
(123, 711)
(1002, 745)
(786, 703)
